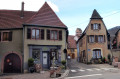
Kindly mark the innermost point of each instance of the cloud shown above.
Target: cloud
(53, 6)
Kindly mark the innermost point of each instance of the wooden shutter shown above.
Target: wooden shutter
(104, 38)
(42, 34)
(88, 38)
(60, 35)
(0, 36)
(48, 34)
(28, 33)
(10, 36)
(96, 38)
(99, 25)
(91, 26)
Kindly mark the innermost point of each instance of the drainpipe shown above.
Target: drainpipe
(23, 52)
(86, 48)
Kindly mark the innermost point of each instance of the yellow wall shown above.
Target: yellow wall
(90, 46)
(70, 53)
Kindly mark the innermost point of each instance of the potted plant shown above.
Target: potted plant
(63, 63)
(31, 65)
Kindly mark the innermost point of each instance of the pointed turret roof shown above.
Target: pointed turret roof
(46, 17)
(96, 15)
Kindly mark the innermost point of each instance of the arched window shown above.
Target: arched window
(97, 53)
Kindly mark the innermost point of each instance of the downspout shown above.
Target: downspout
(86, 48)
(23, 52)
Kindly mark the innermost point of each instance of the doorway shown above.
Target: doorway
(45, 58)
(12, 63)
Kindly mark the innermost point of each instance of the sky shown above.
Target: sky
(73, 13)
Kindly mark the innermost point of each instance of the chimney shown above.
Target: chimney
(22, 10)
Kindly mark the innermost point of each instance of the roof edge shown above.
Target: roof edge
(44, 26)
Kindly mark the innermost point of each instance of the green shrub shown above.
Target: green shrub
(109, 57)
(62, 67)
(30, 62)
(89, 62)
(99, 61)
(103, 59)
(63, 62)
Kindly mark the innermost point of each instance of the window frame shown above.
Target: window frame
(58, 34)
(54, 37)
(100, 38)
(95, 26)
(91, 39)
(97, 52)
(8, 36)
(35, 33)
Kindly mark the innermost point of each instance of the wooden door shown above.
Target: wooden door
(12, 63)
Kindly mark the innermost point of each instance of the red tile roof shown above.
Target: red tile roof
(45, 17)
(71, 42)
(13, 19)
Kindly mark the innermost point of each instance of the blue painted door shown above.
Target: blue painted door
(45, 58)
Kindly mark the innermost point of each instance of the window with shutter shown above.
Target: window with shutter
(0, 36)
(10, 36)
(28, 33)
(5, 36)
(60, 35)
(42, 34)
(48, 34)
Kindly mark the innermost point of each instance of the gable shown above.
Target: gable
(101, 27)
(46, 17)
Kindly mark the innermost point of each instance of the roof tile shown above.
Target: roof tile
(46, 17)
(71, 42)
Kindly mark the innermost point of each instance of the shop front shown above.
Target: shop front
(44, 55)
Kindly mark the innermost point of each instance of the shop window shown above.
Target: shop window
(36, 54)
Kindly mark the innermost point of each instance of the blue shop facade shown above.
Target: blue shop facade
(44, 54)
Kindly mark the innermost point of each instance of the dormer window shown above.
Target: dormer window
(95, 26)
